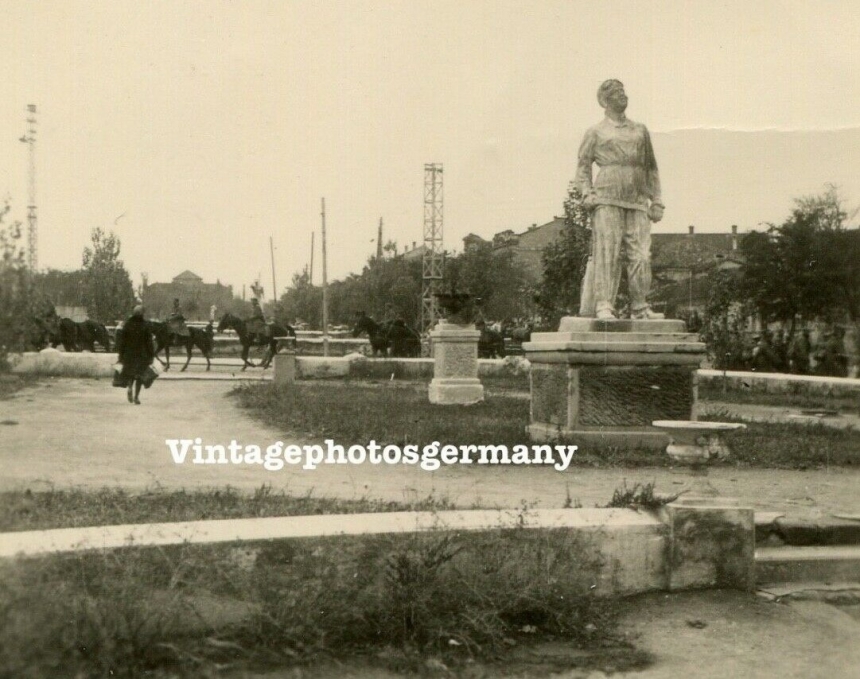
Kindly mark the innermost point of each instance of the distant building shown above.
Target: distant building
(195, 297)
(675, 257)
(417, 252)
(527, 247)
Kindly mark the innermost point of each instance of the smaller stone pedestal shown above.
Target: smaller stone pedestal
(455, 367)
(285, 367)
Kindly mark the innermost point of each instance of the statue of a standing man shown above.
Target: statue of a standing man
(624, 199)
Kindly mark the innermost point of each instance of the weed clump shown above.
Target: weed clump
(398, 600)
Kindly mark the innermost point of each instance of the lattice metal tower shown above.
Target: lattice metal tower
(32, 225)
(433, 259)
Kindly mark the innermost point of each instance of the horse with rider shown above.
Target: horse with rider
(256, 331)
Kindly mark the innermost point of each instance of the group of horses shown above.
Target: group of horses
(388, 338)
(84, 335)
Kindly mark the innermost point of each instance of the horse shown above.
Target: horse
(377, 333)
(89, 332)
(405, 342)
(394, 337)
(491, 344)
(248, 339)
(165, 338)
(74, 335)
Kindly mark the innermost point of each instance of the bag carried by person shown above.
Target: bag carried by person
(118, 379)
(149, 376)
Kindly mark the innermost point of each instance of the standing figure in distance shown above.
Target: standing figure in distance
(136, 352)
(257, 323)
(624, 199)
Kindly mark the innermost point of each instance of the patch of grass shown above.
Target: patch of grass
(711, 390)
(399, 413)
(395, 413)
(28, 510)
(408, 603)
(792, 446)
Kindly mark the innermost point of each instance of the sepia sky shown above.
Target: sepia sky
(195, 130)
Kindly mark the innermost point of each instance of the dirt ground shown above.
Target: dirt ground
(69, 432)
(77, 432)
(702, 635)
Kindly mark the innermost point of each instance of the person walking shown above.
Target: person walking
(136, 352)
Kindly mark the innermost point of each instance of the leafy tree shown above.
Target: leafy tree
(564, 262)
(302, 301)
(63, 288)
(725, 320)
(18, 303)
(107, 290)
(794, 270)
(500, 283)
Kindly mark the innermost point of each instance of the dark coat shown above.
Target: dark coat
(135, 347)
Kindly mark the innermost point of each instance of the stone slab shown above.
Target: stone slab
(617, 437)
(612, 337)
(453, 391)
(576, 324)
(602, 345)
(802, 564)
(538, 355)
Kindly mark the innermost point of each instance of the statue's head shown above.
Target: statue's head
(138, 311)
(611, 95)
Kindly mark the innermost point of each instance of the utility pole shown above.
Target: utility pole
(274, 285)
(379, 240)
(32, 223)
(433, 260)
(311, 274)
(324, 286)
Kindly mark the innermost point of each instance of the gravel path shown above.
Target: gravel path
(71, 432)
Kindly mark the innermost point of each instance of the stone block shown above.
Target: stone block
(711, 546)
(285, 368)
(453, 391)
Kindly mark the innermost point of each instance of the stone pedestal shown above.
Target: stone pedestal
(455, 367)
(604, 382)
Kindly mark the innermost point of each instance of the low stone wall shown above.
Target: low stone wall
(618, 551)
(780, 383)
(361, 367)
(55, 363)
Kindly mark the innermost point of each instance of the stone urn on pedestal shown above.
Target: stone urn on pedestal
(455, 351)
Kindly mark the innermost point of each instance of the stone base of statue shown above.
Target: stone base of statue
(455, 365)
(603, 382)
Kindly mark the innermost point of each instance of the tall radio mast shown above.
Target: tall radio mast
(433, 260)
(32, 223)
